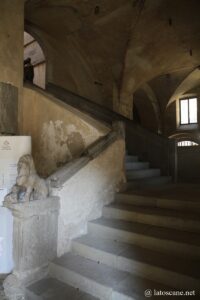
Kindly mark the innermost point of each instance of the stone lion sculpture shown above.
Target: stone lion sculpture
(29, 186)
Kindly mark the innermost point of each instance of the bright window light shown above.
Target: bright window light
(193, 110)
(186, 143)
(188, 111)
(184, 111)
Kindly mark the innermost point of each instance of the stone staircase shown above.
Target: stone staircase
(141, 243)
(140, 175)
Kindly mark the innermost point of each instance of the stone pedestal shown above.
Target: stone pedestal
(34, 242)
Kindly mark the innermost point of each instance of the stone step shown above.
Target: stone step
(99, 280)
(154, 216)
(152, 201)
(53, 289)
(137, 165)
(147, 182)
(167, 269)
(165, 240)
(140, 174)
(131, 158)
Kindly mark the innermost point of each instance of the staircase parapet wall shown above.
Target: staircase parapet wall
(83, 195)
(58, 178)
(158, 150)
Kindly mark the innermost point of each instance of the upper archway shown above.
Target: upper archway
(33, 50)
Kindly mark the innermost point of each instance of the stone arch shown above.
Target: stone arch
(182, 136)
(34, 50)
(191, 81)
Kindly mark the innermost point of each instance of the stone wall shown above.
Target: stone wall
(59, 132)
(84, 194)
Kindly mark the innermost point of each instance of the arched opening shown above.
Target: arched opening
(33, 50)
(188, 160)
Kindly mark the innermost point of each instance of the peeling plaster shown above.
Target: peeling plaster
(61, 142)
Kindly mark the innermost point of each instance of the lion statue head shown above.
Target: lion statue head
(25, 168)
(29, 186)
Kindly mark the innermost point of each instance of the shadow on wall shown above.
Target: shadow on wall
(33, 51)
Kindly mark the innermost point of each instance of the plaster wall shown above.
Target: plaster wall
(59, 132)
(11, 37)
(69, 67)
(83, 195)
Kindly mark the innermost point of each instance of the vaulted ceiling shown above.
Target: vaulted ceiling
(121, 46)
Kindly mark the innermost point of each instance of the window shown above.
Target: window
(188, 111)
(186, 143)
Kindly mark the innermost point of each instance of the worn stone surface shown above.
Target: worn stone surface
(84, 194)
(51, 288)
(34, 237)
(60, 134)
(8, 108)
(13, 288)
(2, 294)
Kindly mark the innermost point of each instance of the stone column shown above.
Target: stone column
(11, 63)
